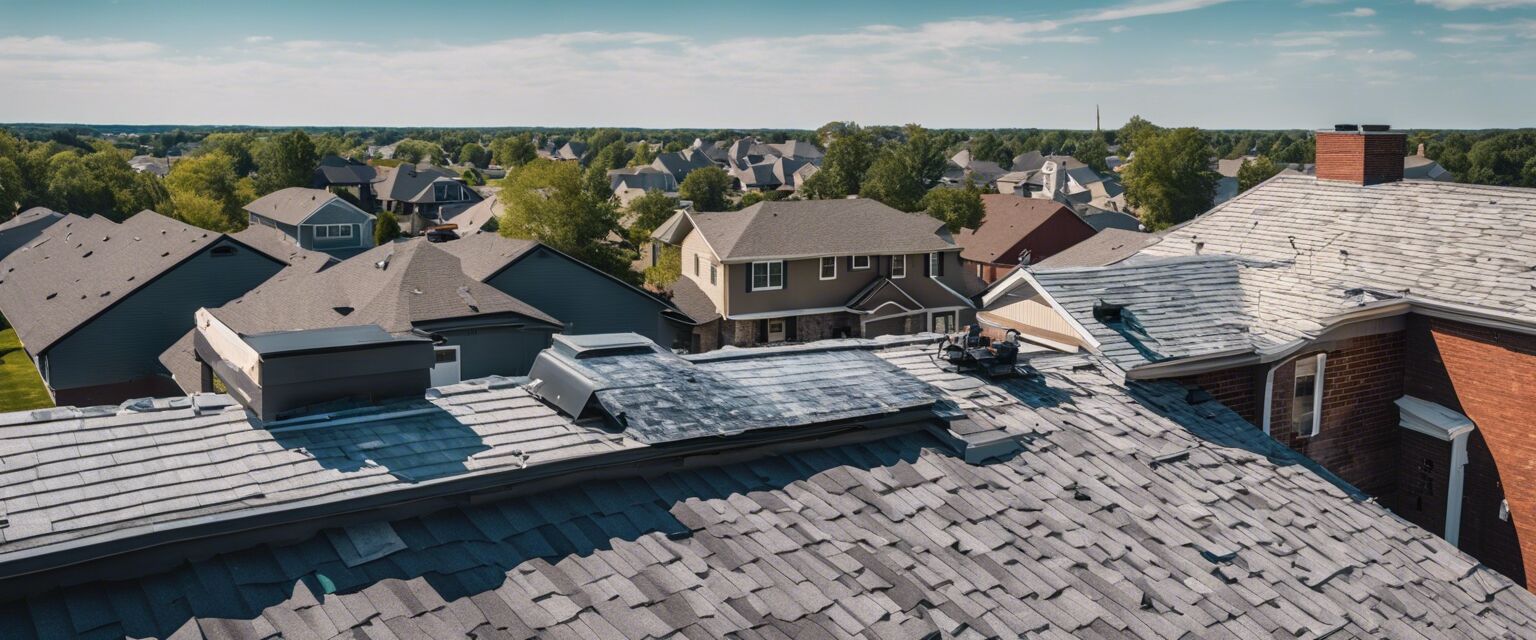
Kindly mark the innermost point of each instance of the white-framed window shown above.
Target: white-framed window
(978, 270)
(767, 276)
(898, 267)
(935, 264)
(333, 231)
(713, 273)
(829, 268)
(1307, 401)
(860, 262)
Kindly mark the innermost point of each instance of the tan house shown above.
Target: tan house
(795, 271)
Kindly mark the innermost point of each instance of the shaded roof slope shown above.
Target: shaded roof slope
(418, 282)
(1104, 248)
(809, 228)
(79, 267)
(1010, 220)
(1125, 512)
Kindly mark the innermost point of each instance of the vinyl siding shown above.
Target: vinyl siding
(583, 300)
(806, 290)
(126, 341)
(502, 351)
(694, 245)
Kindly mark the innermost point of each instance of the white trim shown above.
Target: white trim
(882, 305)
(903, 258)
(934, 264)
(1269, 395)
(1442, 423)
(810, 256)
(853, 262)
(1318, 389)
(768, 276)
(759, 315)
(821, 268)
(998, 292)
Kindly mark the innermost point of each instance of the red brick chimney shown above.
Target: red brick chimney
(1362, 154)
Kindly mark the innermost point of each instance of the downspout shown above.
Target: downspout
(1454, 491)
(1269, 395)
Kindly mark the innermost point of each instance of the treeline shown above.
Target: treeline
(207, 188)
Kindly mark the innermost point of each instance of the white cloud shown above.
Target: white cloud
(56, 47)
(1457, 5)
(1379, 55)
(1357, 12)
(1143, 9)
(1319, 38)
(1488, 32)
(257, 39)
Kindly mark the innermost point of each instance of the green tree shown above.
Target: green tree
(205, 192)
(473, 154)
(1255, 171)
(706, 189)
(513, 151)
(74, 187)
(414, 151)
(894, 181)
(668, 268)
(12, 190)
(958, 208)
(1093, 152)
(283, 161)
(472, 177)
(235, 145)
(1132, 134)
(386, 227)
(842, 172)
(614, 156)
(603, 137)
(648, 212)
(550, 202)
(642, 155)
(1171, 180)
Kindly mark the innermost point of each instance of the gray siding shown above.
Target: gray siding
(804, 288)
(585, 301)
(502, 351)
(126, 341)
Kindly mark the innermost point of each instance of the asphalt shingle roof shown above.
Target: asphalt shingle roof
(294, 205)
(1124, 511)
(78, 267)
(1009, 220)
(809, 228)
(1439, 241)
(1102, 249)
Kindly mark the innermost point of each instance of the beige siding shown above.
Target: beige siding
(1026, 310)
(695, 247)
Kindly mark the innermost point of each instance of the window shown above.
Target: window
(898, 267)
(1307, 402)
(696, 270)
(767, 276)
(333, 231)
(712, 273)
(861, 262)
(935, 264)
(220, 252)
(828, 268)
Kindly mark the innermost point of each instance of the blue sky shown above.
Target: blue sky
(1207, 63)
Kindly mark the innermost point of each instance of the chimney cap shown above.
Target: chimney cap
(1361, 128)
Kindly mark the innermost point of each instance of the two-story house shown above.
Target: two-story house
(422, 196)
(1384, 327)
(315, 220)
(788, 271)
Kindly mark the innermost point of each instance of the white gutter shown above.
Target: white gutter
(1442, 423)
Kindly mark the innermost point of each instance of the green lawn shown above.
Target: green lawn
(20, 386)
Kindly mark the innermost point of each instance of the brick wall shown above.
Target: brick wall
(1357, 440)
(1362, 158)
(1236, 388)
(1490, 376)
(1423, 473)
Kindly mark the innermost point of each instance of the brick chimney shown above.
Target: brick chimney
(1362, 154)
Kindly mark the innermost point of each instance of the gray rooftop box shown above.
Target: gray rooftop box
(278, 375)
